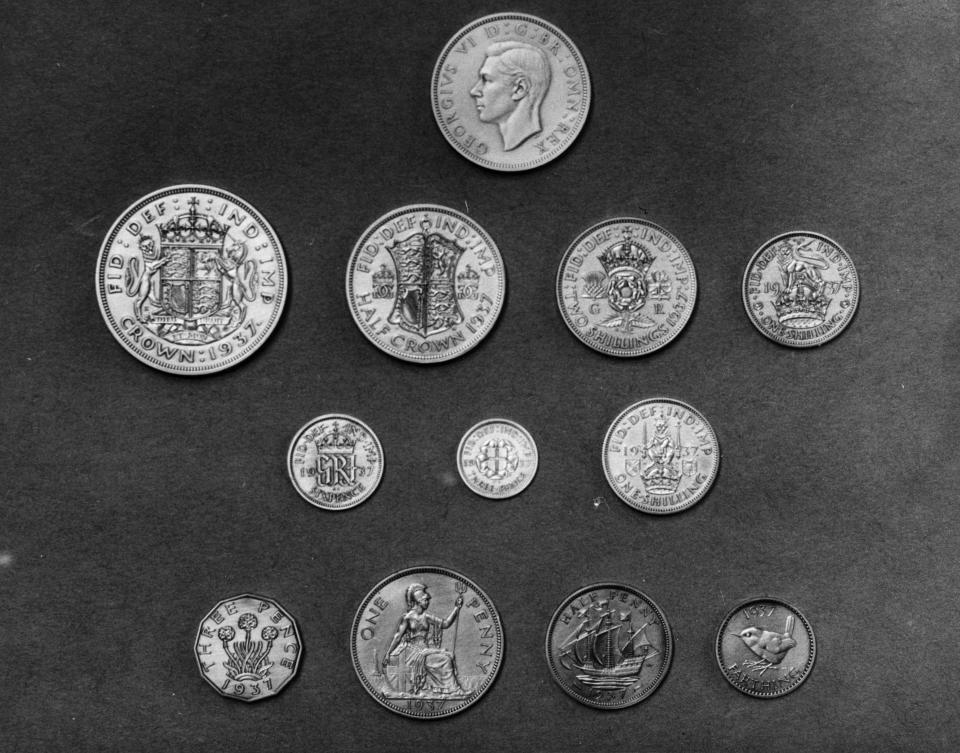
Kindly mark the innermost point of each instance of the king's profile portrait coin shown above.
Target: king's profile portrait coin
(497, 458)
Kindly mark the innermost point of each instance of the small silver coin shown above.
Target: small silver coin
(609, 646)
(497, 458)
(191, 279)
(335, 461)
(626, 287)
(427, 642)
(510, 92)
(800, 289)
(765, 648)
(248, 648)
(660, 456)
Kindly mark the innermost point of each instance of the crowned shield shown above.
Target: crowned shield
(426, 298)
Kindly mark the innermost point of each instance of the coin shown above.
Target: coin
(510, 92)
(248, 647)
(191, 279)
(427, 661)
(765, 648)
(800, 289)
(660, 456)
(497, 458)
(626, 287)
(425, 283)
(609, 646)
(335, 461)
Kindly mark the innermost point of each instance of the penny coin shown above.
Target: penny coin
(427, 642)
(626, 287)
(191, 279)
(497, 458)
(335, 461)
(765, 648)
(425, 283)
(660, 456)
(248, 648)
(609, 646)
(510, 92)
(800, 289)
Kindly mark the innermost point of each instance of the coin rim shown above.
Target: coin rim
(518, 427)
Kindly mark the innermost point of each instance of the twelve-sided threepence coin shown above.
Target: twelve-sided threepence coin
(801, 289)
(248, 647)
(427, 642)
(510, 92)
(609, 646)
(335, 461)
(497, 458)
(425, 283)
(660, 456)
(626, 287)
(191, 279)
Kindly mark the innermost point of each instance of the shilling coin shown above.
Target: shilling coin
(427, 642)
(510, 91)
(248, 647)
(626, 287)
(660, 455)
(191, 279)
(609, 646)
(335, 461)
(497, 458)
(801, 289)
(765, 648)
(425, 283)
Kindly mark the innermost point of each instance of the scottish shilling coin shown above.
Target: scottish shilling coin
(191, 279)
(765, 648)
(248, 647)
(427, 642)
(425, 283)
(335, 461)
(510, 92)
(660, 455)
(626, 287)
(609, 646)
(497, 458)
(800, 289)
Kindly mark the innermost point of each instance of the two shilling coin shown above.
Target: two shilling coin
(497, 458)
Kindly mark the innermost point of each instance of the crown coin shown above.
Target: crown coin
(497, 458)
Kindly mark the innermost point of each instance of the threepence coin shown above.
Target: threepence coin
(801, 289)
(335, 461)
(191, 279)
(497, 458)
(765, 648)
(248, 647)
(510, 92)
(660, 456)
(609, 646)
(626, 287)
(425, 283)
(427, 642)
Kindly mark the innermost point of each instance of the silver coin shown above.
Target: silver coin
(660, 456)
(609, 646)
(427, 642)
(765, 648)
(626, 287)
(425, 283)
(497, 458)
(248, 648)
(335, 461)
(510, 92)
(800, 289)
(191, 279)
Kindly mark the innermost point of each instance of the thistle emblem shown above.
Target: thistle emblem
(247, 659)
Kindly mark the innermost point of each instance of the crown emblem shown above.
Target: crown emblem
(335, 441)
(247, 659)
(626, 254)
(663, 461)
(384, 281)
(803, 300)
(468, 284)
(192, 229)
(336, 463)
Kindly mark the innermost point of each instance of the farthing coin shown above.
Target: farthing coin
(248, 647)
(427, 642)
(765, 648)
(191, 279)
(801, 289)
(497, 458)
(609, 646)
(510, 92)
(335, 461)
(425, 283)
(660, 456)
(626, 287)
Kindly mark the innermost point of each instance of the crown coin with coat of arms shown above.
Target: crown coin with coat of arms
(497, 458)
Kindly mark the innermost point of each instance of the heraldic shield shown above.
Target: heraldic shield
(190, 278)
(426, 299)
